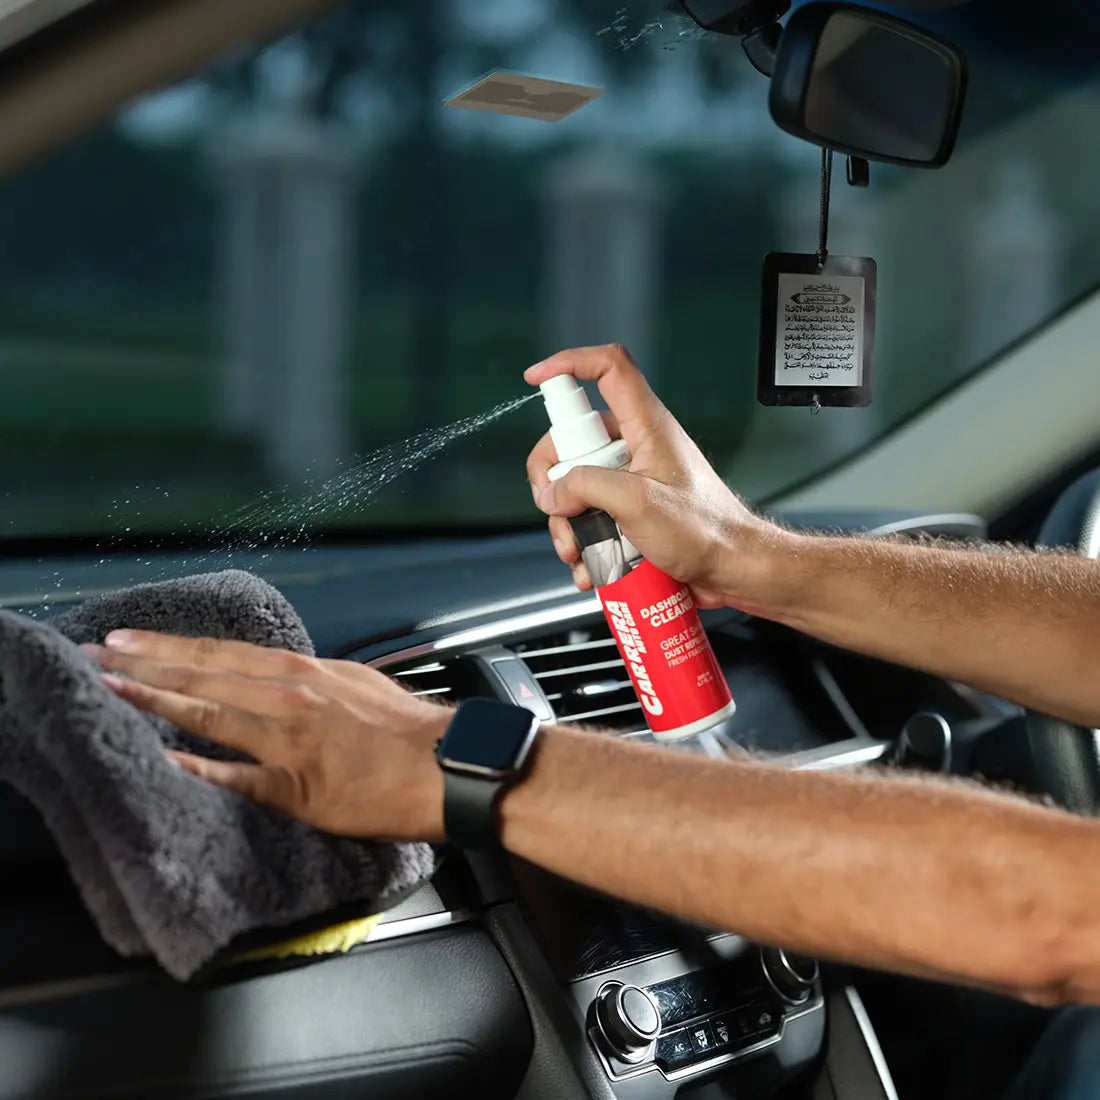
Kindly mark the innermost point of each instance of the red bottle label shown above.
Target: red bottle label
(667, 653)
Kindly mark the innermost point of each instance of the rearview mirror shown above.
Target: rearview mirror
(869, 85)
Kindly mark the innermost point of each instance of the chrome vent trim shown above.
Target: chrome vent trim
(428, 679)
(491, 632)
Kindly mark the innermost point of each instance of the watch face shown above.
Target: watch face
(487, 735)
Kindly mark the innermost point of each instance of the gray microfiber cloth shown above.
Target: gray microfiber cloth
(169, 865)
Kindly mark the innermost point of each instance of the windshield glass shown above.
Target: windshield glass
(247, 284)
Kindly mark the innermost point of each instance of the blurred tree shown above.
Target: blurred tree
(82, 218)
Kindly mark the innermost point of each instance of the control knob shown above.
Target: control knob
(791, 976)
(628, 1019)
(925, 742)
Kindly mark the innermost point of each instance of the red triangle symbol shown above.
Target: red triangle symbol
(525, 692)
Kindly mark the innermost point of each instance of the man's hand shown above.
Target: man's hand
(336, 744)
(671, 504)
(1017, 624)
(847, 866)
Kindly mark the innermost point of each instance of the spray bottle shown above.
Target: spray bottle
(652, 617)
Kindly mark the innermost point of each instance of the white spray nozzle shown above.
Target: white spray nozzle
(575, 427)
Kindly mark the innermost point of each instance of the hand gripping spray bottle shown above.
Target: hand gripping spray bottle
(653, 618)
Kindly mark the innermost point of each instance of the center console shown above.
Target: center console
(665, 1006)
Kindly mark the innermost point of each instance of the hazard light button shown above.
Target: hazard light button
(523, 687)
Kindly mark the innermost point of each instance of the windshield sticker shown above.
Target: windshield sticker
(819, 330)
(509, 93)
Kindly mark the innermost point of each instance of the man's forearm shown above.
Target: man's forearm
(903, 874)
(1022, 625)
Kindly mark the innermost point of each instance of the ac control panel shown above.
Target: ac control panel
(700, 1021)
(661, 1018)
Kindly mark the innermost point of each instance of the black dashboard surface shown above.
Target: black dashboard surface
(352, 595)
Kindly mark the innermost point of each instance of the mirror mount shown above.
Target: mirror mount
(737, 18)
(761, 47)
(859, 172)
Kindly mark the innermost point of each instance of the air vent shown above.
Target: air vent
(584, 678)
(440, 679)
(432, 679)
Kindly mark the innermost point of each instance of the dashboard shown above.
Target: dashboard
(497, 978)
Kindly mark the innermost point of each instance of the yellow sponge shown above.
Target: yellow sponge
(328, 941)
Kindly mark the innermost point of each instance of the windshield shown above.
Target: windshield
(247, 284)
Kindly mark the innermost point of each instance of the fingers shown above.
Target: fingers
(623, 386)
(565, 543)
(212, 653)
(616, 492)
(273, 698)
(274, 787)
(543, 456)
(227, 725)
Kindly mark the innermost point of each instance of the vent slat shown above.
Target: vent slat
(602, 687)
(571, 647)
(584, 677)
(576, 670)
(604, 712)
(431, 679)
(419, 670)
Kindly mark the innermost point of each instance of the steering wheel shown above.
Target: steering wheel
(1067, 757)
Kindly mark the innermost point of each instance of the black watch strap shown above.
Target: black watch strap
(469, 811)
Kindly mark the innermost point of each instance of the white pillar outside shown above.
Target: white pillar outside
(288, 256)
(603, 252)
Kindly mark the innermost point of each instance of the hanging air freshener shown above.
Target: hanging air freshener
(817, 323)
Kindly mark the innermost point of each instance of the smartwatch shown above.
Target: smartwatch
(483, 751)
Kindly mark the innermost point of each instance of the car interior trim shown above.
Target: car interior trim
(412, 926)
(962, 523)
(478, 635)
(402, 928)
(863, 1022)
(839, 700)
(66, 84)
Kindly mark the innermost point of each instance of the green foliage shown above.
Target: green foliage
(105, 212)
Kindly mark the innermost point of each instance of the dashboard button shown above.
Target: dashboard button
(723, 1033)
(742, 1023)
(674, 1051)
(702, 1038)
(523, 687)
(762, 1018)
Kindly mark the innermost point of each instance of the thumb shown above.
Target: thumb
(616, 492)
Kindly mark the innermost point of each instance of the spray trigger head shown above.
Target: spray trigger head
(575, 427)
